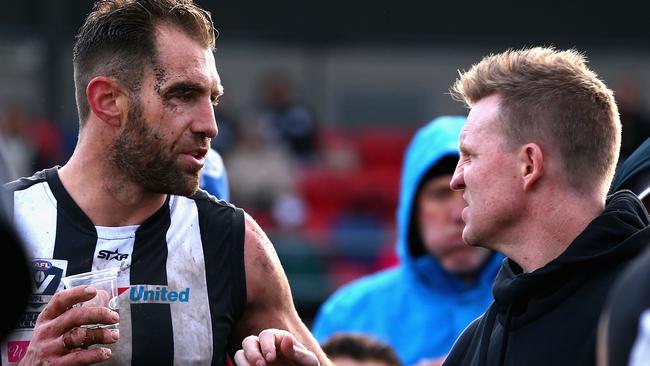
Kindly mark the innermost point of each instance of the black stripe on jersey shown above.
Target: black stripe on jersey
(153, 338)
(222, 235)
(76, 236)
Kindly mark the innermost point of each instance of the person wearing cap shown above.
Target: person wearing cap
(441, 284)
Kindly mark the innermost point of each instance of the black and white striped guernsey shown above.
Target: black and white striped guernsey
(182, 282)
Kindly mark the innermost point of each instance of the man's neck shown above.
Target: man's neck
(550, 230)
(104, 194)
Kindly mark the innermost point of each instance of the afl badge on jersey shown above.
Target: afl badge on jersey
(46, 277)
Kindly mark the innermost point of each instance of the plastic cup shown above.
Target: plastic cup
(105, 281)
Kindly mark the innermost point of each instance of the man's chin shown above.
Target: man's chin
(469, 239)
(189, 188)
(180, 186)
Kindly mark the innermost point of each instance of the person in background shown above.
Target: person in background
(624, 332)
(285, 121)
(16, 144)
(214, 176)
(349, 349)
(441, 284)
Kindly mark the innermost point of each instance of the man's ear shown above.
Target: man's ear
(107, 100)
(531, 161)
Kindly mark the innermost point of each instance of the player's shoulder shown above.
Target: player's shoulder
(204, 197)
(213, 209)
(26, 182)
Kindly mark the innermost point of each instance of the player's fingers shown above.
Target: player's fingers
(297, 353)
(286, 347)
(81, 337)
(86, 357)
(240, 359)
(269, 343)
(305, 357)
(63, 300)
(252, 351)
(79, 316)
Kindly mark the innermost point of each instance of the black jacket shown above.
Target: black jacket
(629, 298)
(634, 173)
(550, 316)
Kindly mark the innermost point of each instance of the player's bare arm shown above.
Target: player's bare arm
(270, 307)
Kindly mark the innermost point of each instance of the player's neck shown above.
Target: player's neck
(103, 194)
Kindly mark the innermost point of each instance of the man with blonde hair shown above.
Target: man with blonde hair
(537, 156)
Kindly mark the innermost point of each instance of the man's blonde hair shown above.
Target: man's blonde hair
(552, 98)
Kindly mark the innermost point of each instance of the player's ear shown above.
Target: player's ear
(107, 100)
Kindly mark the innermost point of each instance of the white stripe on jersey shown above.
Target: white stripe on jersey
(186, 269)
(112, 243)
(35, 219)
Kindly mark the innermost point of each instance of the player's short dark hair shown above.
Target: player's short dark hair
(118, 39)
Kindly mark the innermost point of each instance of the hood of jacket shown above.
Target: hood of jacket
(431, 143)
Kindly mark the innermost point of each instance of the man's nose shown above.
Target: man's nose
(457, 180)
(205, 122)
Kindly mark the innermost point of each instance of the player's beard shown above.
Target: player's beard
(139, 154)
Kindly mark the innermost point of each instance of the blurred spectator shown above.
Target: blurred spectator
(213, 177)
(359, 350)
(441, 285)
(624, 332)
(48, 140)
(358, 231)
(228, 128)
(30, 144)
(285, 121)
(264, 174)
(16, 144)
(635, 122)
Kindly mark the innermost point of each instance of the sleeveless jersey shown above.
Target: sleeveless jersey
(181, 280)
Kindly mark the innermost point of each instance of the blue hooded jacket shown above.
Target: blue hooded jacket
(213, 177)
(416, 307)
